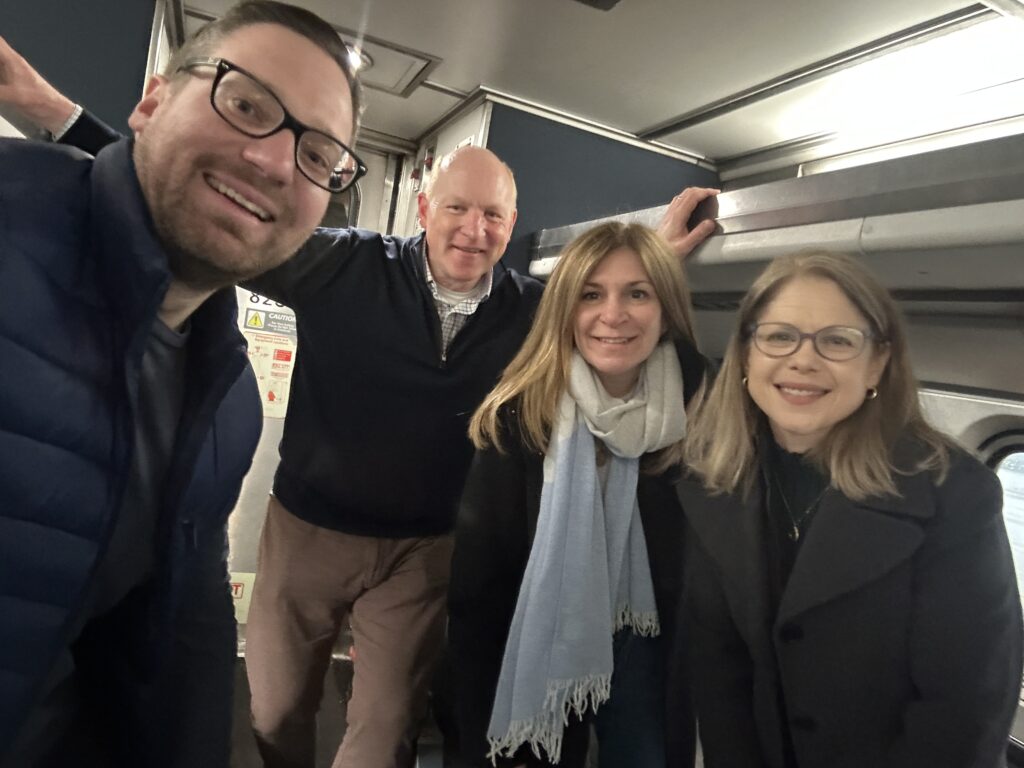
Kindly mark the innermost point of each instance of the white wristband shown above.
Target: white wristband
(75, 114)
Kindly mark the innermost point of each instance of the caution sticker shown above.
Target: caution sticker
(254, 318)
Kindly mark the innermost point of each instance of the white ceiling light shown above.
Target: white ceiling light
(359, 59)
(971, 77)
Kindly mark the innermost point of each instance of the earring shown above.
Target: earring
(872, 393)
(743, 381)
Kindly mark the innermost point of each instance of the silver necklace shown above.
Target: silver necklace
(796, 521)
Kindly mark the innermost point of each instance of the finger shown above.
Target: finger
(684, 204)
(691, 197)
(701, 192)
(696, 236)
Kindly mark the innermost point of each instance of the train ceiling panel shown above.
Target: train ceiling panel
(391, 69)
(406, 116)
(384, 66)
(741, 76)
(967, 78)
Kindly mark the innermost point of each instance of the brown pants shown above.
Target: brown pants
(309, 581)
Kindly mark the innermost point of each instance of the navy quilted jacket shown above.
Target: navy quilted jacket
(81, 278)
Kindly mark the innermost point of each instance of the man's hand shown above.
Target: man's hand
(673, 226)
(24, 89)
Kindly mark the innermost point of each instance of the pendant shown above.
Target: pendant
(794, 534)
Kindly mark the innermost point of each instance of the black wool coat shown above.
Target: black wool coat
(493, 536)
(897, 641)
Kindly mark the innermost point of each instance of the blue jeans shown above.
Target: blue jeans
(630, 726)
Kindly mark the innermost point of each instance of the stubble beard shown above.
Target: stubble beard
(193, 256)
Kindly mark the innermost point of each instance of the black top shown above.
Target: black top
(793, 488)
(128, 561)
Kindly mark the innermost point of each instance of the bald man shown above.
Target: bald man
(399, 341)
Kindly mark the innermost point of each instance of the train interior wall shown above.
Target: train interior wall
(94, 51)
(565, 174)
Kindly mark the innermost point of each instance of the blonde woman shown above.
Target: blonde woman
(850, 589)
(567, 567)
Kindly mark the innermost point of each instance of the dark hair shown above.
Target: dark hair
(299, 20)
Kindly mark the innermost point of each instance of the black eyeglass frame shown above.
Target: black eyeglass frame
(868, 335)
(288, 120)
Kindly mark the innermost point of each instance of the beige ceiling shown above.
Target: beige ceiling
(639, 65)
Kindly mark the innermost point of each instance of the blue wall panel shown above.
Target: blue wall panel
(94, 51)
(566, 175)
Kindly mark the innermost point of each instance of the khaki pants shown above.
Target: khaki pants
(309, 581)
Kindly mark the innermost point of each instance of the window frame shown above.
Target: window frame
(994, 450)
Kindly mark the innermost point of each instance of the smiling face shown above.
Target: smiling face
(618, 320)
(468, 215)
(228, 206)
(804, 395)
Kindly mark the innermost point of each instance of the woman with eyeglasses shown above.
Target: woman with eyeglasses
(850, 589)
(567, 570)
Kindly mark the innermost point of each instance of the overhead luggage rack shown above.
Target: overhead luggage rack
(941, 226)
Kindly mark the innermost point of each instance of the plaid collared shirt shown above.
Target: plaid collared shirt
(454, 316)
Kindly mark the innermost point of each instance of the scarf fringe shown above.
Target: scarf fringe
(644, 624)
(544, 730)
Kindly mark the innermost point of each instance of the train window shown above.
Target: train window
(1011, 474)
(1010, 470)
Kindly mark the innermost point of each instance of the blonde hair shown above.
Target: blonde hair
(539, 373)
(721, 445)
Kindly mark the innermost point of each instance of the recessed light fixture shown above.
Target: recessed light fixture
(358, 58)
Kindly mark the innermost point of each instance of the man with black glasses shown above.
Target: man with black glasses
(128, 415)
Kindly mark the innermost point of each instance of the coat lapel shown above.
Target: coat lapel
(730, 529)
(851, 544)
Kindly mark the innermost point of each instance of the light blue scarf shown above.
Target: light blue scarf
(587, 575)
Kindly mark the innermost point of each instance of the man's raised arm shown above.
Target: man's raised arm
(36, 101)
(24, 89)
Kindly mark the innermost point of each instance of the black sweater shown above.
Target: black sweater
(375, 435)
